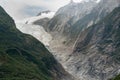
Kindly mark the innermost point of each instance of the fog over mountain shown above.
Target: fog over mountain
(20, 9)
(82, 37)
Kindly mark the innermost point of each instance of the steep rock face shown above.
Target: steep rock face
(89, 60)
(97, 53)
(60, 24)
(68, 15)
(23, 57)
(103, 8)
(70, 20)
(73, 18)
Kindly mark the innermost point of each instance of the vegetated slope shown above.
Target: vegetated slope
(31, 26)
(22, 57)
(97, 54)
(36, 31)
(116, 78)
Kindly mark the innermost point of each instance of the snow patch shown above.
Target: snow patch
(27, 26)
(33, 19)
(82, 1)
(36, 31)
(43, 15)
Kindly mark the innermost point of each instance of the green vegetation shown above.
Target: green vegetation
(22, 57)
(116, 78)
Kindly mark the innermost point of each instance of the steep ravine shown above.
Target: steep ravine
(53, 46)
(88, 61)
(22, 57)
(94, 55)
(70, 20)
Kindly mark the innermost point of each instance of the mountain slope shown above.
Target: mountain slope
(68, 15)
(73, 18)
(36, 31)
(60, 24)
(70, 22)
(42, 18)
(96, 56)
(93, 36)
(33, 26)
(99, 12)
(22, 57)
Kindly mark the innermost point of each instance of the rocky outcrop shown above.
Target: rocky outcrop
(86, 42)
(87, 62)
(103, 8)
(59, 27)
(73, 18)
(68, 15)
(68, 23)
(96, 55)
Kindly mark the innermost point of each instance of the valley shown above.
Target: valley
(81, 41)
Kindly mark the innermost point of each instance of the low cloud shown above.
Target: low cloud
(20, 9)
